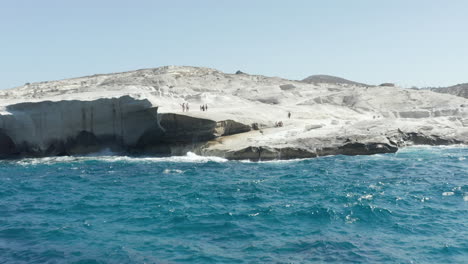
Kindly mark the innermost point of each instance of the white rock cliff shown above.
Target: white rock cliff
(140, 112)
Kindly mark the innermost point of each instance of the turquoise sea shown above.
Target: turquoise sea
(408, 207)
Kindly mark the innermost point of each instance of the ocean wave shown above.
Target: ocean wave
(188, 158)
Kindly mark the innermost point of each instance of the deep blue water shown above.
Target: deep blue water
(409, 207)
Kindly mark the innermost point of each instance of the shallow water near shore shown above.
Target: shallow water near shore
(408, 207)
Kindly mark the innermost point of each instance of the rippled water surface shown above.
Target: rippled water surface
(397, 208)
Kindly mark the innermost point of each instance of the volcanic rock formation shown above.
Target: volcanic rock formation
(140, 112)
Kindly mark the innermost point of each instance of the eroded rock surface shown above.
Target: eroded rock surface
(140, 112)
(75, 127)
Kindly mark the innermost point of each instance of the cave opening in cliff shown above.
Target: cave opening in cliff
(7, 146)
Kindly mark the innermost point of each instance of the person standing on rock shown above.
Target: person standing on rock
(186, 107)
(183, 107)
(206, 107)
(289, 115)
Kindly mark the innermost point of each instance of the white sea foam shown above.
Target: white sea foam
(424, 199)
(416, 147)
(175, 171)
(109, 156)
(366, 197)
(350, 219)
(48, 160)
(188, 158)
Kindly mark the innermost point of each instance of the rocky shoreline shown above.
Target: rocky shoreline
(138, 113)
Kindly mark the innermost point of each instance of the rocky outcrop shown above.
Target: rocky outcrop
(258, 153)
(417, 138)
(186, 129)
(458, 90)
(177, 135)
(262, 153)
(328, 79)
(75, 127)
(287, 87)
(140, 112)
(358, 148)
(230, 127)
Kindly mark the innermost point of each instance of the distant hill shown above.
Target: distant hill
(331, 80)
(458, 90)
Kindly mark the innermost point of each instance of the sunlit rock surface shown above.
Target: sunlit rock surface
(141, 112)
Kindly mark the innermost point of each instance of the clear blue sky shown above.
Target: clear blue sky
(417, 42)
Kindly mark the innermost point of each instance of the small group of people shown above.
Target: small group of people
(204, 107)
(185, 107)
(279, 124)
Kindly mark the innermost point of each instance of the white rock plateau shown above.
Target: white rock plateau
(140, 112)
